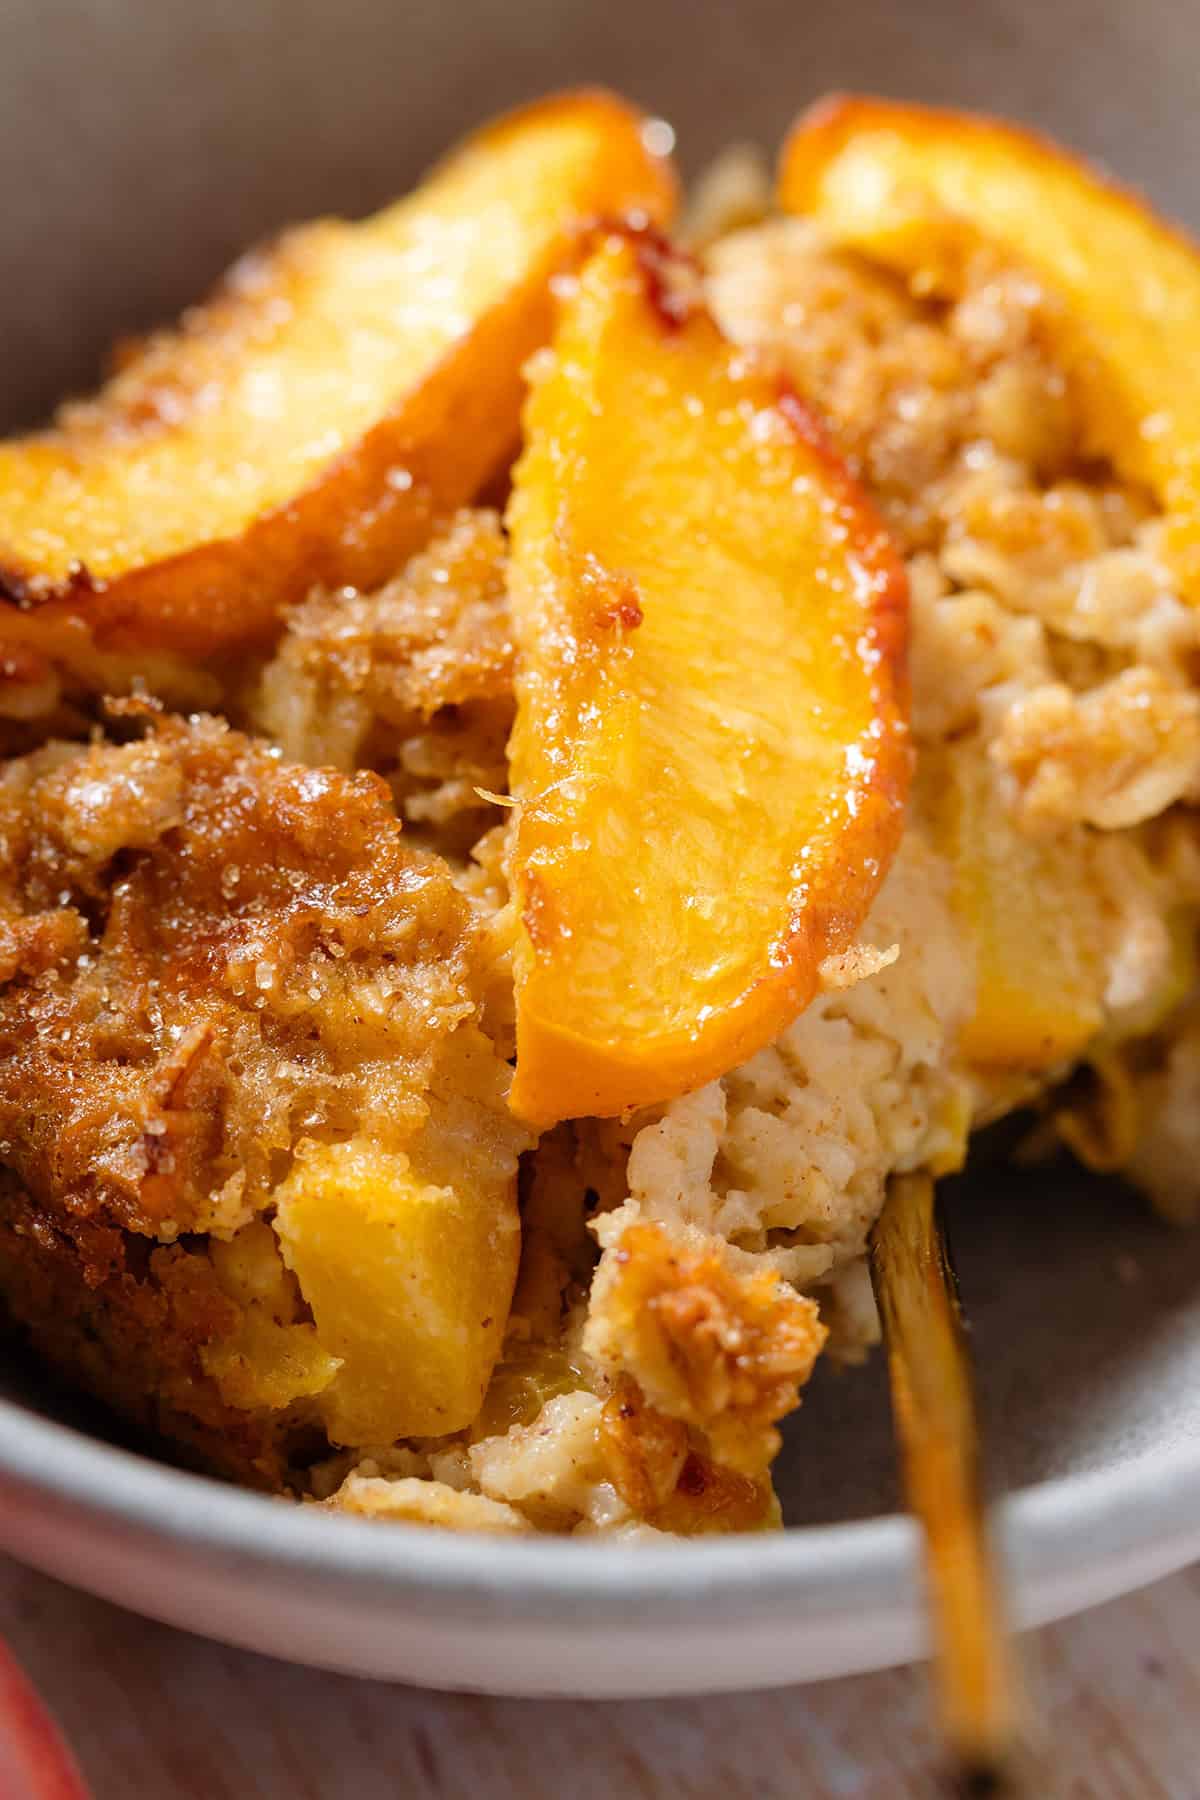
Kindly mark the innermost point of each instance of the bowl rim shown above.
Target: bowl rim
(1140, 1517)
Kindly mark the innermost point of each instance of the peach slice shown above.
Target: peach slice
(710, 747)
(307, 424)
(916, 187)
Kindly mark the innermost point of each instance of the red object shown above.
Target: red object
(35, 1764)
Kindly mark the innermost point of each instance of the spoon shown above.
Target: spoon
(933, 1408)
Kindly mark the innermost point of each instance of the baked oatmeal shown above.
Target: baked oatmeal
(1055, 708)
(260, 1179)
(230, 987)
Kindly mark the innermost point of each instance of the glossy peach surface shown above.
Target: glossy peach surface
(917, 188)
(710, 747)
(343, 388)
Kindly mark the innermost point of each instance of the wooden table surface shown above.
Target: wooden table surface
(157, 1715)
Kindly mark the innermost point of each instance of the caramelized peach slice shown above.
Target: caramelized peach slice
(710, 746)
(307, 424)
(917, 189)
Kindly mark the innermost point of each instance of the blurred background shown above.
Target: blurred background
(145, 142)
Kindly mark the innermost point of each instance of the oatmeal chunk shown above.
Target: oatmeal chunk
(720, 1348)
(408, 1500)
(413, 679)
(1113, 757)
(216, 967)
(210, 952)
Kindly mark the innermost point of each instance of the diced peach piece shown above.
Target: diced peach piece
(274, 1356)
(342, 389)
(710, 748)
(916, 188)
(409, 1286)
(267, 1364)
(1039, 965)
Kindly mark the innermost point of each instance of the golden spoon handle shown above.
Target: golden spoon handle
(933, 1407)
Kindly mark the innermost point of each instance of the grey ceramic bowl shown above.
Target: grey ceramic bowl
(142, 147)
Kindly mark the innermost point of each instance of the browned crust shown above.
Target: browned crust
(182, 924)
(127, 1322)
(207, 956)
(669, 1481)
(723, 1352)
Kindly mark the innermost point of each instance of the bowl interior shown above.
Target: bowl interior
(143, 147)
(1085, 1325)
